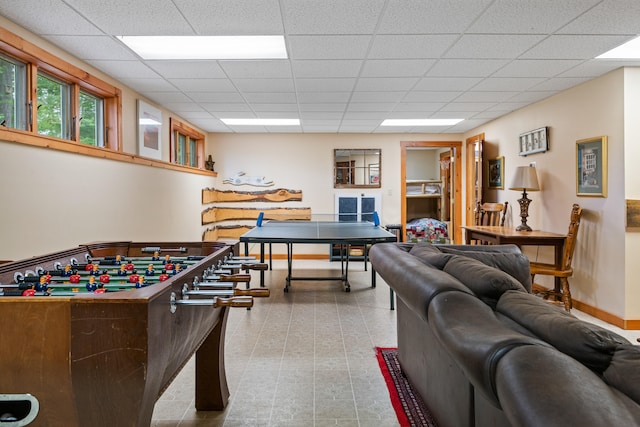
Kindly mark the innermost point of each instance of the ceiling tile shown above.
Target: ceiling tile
(529, 17)
(328, 47)
(410, 46)
(187, 69)
(238, 17)
(205, 85)
(325, 85)
(496, 46)
(331, 16)
(385, 84)
(438, 16)
(327, 68)
(256, 69)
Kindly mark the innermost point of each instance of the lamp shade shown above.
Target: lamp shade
(525, 179)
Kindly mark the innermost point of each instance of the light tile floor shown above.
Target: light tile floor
(304, 358)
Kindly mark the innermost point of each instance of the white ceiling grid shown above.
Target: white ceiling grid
(351, 64)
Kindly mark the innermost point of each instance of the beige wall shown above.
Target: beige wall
(53, 200)
(305, 162)
(591, 109)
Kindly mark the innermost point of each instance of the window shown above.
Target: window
(46, 96)
(13, 96)
(91, 121)
(53, 105)
(187, 145)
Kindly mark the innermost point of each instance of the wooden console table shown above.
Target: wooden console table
(508, 235)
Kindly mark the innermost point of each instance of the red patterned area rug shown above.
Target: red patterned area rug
(410, 409)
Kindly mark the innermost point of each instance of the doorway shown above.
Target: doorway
(449, 154)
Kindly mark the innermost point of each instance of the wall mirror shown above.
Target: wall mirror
(356, 168)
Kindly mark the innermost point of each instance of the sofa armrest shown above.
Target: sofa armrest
(539, 386)
(415, 282)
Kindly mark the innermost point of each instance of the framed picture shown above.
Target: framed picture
(495, 172)
(149, 131)
(535, 141)
(374, 174)
(591, 167)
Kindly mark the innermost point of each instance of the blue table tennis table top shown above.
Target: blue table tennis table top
(317, 232)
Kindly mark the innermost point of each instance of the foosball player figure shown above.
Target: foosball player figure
(42, 285)
(163, 276)
(47, 276)
(67, 271)
(177, 269)
(104, 277)
(123, 270)
(149, 271)
(169, 267)
(74, 278)
(118, 260)
(141, 283)
(134, 278)
(129, 266)
(167, 259)
(156, 256)
(91, 284)
(89, 266)
(95, 271)
(29, 292)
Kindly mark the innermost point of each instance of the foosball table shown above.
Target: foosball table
(91, 336)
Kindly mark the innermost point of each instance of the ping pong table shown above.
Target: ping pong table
(293, 232)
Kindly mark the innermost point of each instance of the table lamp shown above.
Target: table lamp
(525, 179)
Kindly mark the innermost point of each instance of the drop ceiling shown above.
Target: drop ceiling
(352, 63)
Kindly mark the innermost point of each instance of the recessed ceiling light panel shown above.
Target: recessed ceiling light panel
(420, 122)
(207, 47)
(628, 50)
(261, 122)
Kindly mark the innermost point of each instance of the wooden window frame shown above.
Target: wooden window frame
(186, 130)
(36, 58)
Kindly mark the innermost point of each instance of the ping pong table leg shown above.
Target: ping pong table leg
(345, 276)
(289, 262)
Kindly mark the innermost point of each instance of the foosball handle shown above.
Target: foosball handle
(254, 266)
(234, 302)
(252, 292)
(235, 278)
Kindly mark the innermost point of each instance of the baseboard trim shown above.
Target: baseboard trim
(599, 313)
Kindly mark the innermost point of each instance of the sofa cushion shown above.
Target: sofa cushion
(430, 255)
(514, 262)
(487, 283)
(623, 372)
(590, 344)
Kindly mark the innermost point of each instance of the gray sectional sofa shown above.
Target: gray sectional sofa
(483, 351)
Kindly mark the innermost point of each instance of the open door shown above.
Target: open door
(450, 155)
(474, 181)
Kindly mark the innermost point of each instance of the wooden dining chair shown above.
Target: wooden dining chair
(491, 213)
(564, 271)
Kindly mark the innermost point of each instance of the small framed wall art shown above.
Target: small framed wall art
(149, 131)
(535, 141)
(495, 173)
(591, 167)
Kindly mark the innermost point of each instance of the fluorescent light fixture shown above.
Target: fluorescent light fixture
(420, 122)
(261, 122)
(628, 50)
(207, 47)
